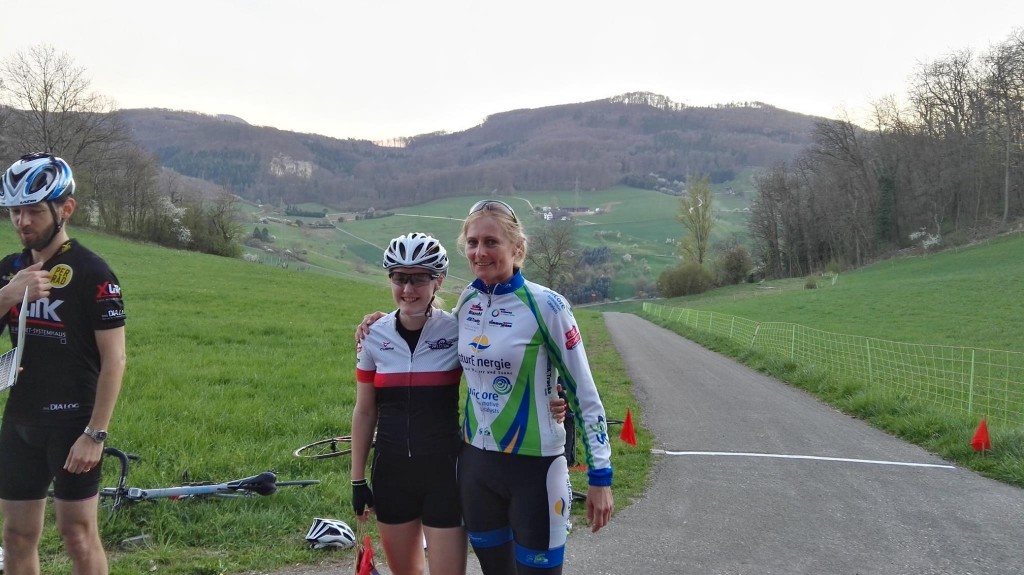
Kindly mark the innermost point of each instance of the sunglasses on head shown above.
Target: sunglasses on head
(495, 206)
(417, 280)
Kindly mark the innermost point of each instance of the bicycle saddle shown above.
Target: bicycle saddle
(263, 484)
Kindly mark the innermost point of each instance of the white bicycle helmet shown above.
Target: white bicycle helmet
(35, 178)
(330, 533)
(416, 250)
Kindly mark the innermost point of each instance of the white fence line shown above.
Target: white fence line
(974, 381)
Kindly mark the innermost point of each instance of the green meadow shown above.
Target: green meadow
(964, 297)
(231, 366)
(630, 221)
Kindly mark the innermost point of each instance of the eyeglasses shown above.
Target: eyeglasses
(417, 280)
(494, 205)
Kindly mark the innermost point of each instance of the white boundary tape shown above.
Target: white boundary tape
(812, 457)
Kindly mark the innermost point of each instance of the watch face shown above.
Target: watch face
(100, 436)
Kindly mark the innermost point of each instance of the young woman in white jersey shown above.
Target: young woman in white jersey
(407, 391)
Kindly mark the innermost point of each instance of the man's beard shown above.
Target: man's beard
(41, 242)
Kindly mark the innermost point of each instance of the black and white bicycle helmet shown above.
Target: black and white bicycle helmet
(330, 533)
(35, 178)
(416, 250)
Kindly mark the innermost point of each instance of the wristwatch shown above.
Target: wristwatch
(97, 435)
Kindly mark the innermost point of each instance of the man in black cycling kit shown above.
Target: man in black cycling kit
(56, 417)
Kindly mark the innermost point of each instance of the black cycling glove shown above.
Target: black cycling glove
(362, 496)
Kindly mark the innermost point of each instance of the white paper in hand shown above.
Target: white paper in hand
(11, 361)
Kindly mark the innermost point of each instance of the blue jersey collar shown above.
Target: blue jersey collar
(512, 285)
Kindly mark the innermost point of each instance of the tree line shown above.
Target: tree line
(47, 105)
(946, 164)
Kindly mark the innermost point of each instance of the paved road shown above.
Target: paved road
(846, 508)
(732, 514)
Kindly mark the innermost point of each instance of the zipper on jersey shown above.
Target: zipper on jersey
(483, 328)
(408, 397)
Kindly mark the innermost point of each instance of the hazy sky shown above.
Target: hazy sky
(376, 69)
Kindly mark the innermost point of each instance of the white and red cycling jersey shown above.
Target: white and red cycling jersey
(417, 391)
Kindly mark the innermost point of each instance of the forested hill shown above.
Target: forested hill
(633, 139)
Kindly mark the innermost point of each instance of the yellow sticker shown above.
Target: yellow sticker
(60, 275)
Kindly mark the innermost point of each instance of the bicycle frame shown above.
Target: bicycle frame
(261, 484)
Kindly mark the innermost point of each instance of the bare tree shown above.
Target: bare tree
(54, 108)
(1004, 86)
(126, 184)
(698, 217)
(766, 226)
(553, 252)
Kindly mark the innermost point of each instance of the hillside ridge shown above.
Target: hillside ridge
(632, 139)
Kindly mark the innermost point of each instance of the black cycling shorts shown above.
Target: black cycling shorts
(32, 457)
(418, 487)
(510, 497)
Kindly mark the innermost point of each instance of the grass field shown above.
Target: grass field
(640, 223)
(966, 297)
(231, 366)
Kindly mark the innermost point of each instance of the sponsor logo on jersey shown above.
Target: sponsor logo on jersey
(471, 319)
(599, 430)
(107, 290)
(572, 338)
(475, 309)
(501, 311)
(45, 310)
(556, 303)
(61, 407)
(386, 346)
(480, 343)
(502, 385)
(499, 323)
(442, 343)
(114, 314)
(487, 402)
(60, 275)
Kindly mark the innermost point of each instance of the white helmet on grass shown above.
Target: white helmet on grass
(330, 533)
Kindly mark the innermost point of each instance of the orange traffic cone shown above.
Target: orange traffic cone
(980, 442)
(628, 434)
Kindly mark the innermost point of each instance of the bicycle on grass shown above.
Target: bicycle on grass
(114, 498)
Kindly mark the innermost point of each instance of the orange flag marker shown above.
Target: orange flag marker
(628, 434)
(980, 441)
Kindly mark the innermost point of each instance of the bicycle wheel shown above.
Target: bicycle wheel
(330, 447)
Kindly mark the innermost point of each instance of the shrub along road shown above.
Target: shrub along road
(766, 479)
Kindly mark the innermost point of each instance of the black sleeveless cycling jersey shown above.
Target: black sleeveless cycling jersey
(60, 360)
(417, 391)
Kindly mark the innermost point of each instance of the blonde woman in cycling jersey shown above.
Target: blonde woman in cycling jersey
(515, 338)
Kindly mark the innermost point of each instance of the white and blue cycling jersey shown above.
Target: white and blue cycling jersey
(515, 339)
